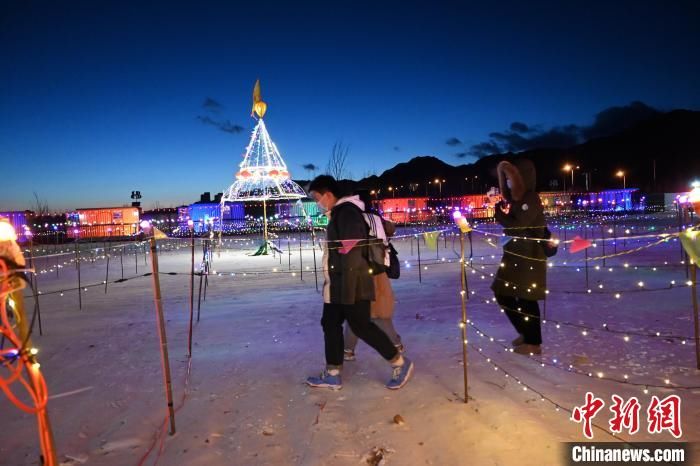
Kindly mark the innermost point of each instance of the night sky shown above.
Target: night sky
(101, 98)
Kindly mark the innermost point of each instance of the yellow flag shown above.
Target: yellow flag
(431, 239)
(256, 92)
(157, 234)
(691, 243)
(259, 106)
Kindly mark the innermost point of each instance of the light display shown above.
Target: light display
(262, 175)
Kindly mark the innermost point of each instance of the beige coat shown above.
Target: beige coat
(383, 305)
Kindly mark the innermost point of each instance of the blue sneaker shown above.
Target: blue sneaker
(400, 375)
(326, 380)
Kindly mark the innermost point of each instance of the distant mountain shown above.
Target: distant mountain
(667, 143)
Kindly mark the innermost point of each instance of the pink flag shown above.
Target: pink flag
(348, 244)
(579, 244)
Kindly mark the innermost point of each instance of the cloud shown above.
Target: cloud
(453, 142)
(519, 127)
(310, 167)
(483, 149)
(464, 155)
(225, 126)
(212, 105)
(521, 137)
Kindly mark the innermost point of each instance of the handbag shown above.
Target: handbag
(394, 269)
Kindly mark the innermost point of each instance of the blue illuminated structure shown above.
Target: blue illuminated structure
(20, 220)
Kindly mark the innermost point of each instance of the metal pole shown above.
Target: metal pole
(199, 296)
(437, 248)
(189, 335)
(107, 272)
(463, 323)
(471, 247)
(35, 288)
(544, 310)
(160, 320)
(201, 275)
(602, 230)
(301, 261)
(694, 290)
(420, 275)
(585, 235)
(313, 249)
(55, 250)
(265, 224)
(80, 288)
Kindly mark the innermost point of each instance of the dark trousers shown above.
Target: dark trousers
(358, 318)
(517, 309)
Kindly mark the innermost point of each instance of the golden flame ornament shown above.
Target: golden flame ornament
(259, 107)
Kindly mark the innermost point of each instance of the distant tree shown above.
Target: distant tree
(41, 207)
(336, 162)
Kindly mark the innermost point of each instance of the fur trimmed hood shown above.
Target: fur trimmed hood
(521, 174)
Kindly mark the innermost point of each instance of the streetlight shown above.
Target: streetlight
(571, 168)
(439, 183)
(621, 174)
(391, 189)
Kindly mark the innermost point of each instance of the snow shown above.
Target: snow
(259, 337)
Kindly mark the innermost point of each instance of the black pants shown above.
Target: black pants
(358, 318)
(517, 310)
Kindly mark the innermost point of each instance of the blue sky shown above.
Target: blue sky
(102, 98)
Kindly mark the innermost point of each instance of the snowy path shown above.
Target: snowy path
(259, 337)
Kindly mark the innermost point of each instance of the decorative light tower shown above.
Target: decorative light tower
(262, 175)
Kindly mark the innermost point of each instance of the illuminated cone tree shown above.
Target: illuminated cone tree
(262, 175)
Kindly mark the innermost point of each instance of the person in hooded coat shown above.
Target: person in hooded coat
(521, 279)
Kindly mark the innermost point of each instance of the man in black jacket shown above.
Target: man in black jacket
(349, 288)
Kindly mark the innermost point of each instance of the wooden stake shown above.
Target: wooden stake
(160, 320)
(463, 323)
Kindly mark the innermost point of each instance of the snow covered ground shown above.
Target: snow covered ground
(259, 337)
